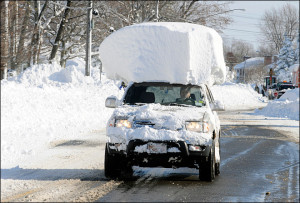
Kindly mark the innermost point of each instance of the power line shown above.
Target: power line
(243, 30)
(260, 19)
(232, 38)
(247, 17)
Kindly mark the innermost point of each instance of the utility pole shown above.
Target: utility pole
(88, 39)
(156, 11)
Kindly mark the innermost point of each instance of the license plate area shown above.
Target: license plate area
(157, 148)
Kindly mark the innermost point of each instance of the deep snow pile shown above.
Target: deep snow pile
(238, 96)
(47, 103)
(287, 106)
(171, 52)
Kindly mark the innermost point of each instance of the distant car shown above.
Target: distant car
(152, 127)
(281, 88)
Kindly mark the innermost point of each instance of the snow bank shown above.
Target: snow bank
(285, 107)
(237, 96)
(171, 52)
(47, 103)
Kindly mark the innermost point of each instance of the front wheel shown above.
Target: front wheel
(217, 158)
(207, 170)
(111, 165)
(117, 166)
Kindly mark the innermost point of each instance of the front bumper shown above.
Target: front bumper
(183, 157)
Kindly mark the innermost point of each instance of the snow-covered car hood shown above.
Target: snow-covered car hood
(168, 123)
(166, 117)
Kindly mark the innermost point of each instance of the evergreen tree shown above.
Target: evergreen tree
(286, 56)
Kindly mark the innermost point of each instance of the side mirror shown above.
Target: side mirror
(111, 102)
(217, 106)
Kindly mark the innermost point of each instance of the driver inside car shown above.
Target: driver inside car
(185, 96)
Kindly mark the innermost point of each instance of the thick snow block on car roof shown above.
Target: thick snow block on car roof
(170, 52)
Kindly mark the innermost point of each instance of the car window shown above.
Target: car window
(165, 94)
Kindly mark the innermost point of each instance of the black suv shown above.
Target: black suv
(281, 88)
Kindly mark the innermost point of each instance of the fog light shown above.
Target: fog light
(197, 148)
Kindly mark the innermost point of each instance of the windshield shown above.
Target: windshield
(165, 94)
(287, 86)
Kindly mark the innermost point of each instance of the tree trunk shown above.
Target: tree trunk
(11, 34)
(60, 32)
(16, 30)
(36, 36)
(21, 53)
(4, 38)
(62, 54)
(37, 31)
(32, 48)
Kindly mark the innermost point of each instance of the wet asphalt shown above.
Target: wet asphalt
(257, 165)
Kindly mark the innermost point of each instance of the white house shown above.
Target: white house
(253, 69)
(243, 69)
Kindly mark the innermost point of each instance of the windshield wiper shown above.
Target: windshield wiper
(176, 104)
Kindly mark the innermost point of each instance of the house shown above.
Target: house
(254, 69)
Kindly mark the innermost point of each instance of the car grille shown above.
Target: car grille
(139, 124)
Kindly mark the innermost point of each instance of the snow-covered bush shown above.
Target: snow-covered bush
(286, 59)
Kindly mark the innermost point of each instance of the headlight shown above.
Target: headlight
(197, 126)
(123, 123)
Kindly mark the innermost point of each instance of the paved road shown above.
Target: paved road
(257, 164)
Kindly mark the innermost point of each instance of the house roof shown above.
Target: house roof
(250, 63)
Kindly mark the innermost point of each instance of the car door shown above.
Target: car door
(215, 115)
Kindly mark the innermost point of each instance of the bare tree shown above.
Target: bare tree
(4, 38)
(37, 31)
(239, 49)
(256, 74)
(60, 31)
(117, 14)
(42, 30)
(13, 32)
(21, 51)
(278, 22)
(209, 13)
(264, 50)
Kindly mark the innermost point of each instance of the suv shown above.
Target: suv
(281, 88)
(158, 124)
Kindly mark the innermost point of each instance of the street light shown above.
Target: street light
(88, 40)
(90, 13)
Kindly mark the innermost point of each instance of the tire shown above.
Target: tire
(117, 166)
(217, 170)
(217, 164)
(126, 172)
(207, 170)
(111, 165)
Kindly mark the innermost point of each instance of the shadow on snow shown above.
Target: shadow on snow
(53, 174)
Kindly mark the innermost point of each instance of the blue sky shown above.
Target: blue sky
(245, 26)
